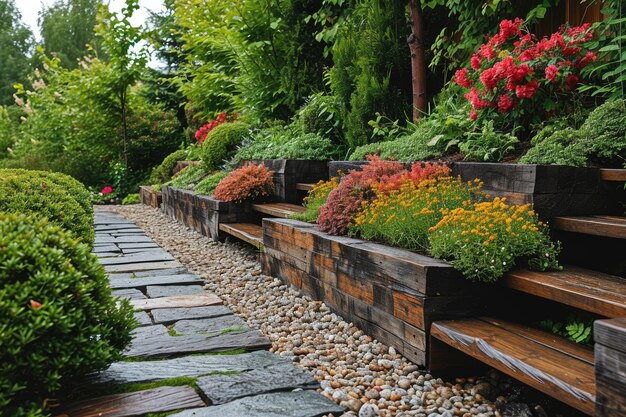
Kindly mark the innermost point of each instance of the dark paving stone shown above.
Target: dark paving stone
(216, 324)
(138, 258)
(122, 239)
(129, 294)
(177, 301)
(155, 291)
(170, 315)
(149, 371)
(104, 255)
(105, 248)
(222, 389)
(140, 282)
(142, 318)
(138, 403)
(143, 250)
(142, 274)
(281, 404)
(142, 266)
(138, 245)
(120, 226)
(154, 341)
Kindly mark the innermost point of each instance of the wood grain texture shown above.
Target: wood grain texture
(613, 226)
(178, 301)
(613, 174)
(559, 375)
(248, 232)
(138, 403)
(610, 381)
(304, 186)
(611, 333)
(283, 210)
(577, 287)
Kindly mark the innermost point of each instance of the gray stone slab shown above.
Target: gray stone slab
(140, 282)
(149, 273)
(114, 227)
(138, 258)
(155, 291)
(142, 318)
(129, 294)
(281, 404)
(104, 255)
(138, 245)
(108, 220)
(223, 388)
(154, 341)
(105, 248)
(142, 266)
(149, 371)
(122, 239)
(177, 301)
(212, 325)
(144, 250)
(170, 315)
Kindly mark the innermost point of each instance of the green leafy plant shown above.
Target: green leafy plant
(606, 131)
(163, 172)
(131, 199)
(207, 185)
(29, 192)
(315, 199)
(58, 320)
(576, 327)
(221, 143)
(321, 116)
(487, 145)
(561, 147)
(188, 178)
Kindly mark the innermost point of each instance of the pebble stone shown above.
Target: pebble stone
(356, 371)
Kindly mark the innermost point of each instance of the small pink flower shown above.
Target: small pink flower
(107, 190)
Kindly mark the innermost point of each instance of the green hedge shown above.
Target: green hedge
(55, 196)
(221, 144)
(163, 173)
(58, 320)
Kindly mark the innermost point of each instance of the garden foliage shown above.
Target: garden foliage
(58, 320)
(247, 183)
(221, 143)
(314, 200)
(209, 183)
(188, 178)
(163, 172)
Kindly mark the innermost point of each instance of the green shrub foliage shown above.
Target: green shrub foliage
(606, 131)
(561, 147)
(207, 186)
(54, 196)
(188, 178)
(163, 173)
(285, 144)
(58, 320)
(131, 199)
(221, 143)
(487, 145)
(321, 116)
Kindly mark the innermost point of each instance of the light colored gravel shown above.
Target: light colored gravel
(358, 372)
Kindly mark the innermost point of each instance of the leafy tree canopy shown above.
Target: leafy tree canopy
(16, 44)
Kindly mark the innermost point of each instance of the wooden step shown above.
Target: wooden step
(606, 226)
(587, 290)
(546, 362)
(304, 187)
(613, 174)
(248, 232)
(283, 210)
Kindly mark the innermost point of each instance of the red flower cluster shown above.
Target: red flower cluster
(512, 69)
(357, 187)
(107, 190)
(202, 133)
(246, 183)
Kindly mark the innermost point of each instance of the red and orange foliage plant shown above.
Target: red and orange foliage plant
(246, 183)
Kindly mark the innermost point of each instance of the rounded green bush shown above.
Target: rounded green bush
(606, 131)
(561, 147)
(221, 143)
(58, 320)
(321, 116)
(50, 196)
(163, 173)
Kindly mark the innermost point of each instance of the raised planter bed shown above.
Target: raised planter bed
(149, 197)
(289, 172)
(390, 293)
(554, 190)
(610, 356)
(203, 213)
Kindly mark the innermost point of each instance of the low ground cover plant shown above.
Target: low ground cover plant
(316, 197)
(207, 185)
(58, 320)
(247, 183)
(188, 178)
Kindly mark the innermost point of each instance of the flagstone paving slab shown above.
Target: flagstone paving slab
(156, 291)
(106, 248)
(140, 282)
(149, 273)
(138, 403)
(170, 315)
(129, 294)
(138, 258)
(283, 404)
(143, 319)
(217, 324)
(192, 366)
(134, 267)
(137, 245)
(177, 301)
(224, 388)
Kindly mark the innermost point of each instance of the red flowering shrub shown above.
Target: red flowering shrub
(346, 200)
(202, 133)
(514, 74)
(107, 190)
(246, 183)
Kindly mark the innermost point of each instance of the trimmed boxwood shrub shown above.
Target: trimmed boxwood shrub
(52, 196)
(221, 144)
(58, 320)
(163, 173)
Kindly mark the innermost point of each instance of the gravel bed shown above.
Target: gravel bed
(358, 372)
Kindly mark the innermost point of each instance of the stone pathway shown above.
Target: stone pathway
(185, 331)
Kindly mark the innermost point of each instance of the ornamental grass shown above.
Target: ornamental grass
(485, 240)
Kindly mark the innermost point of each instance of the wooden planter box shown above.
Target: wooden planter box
(610, 361)
(289, 172)
(390, 293)
(554, 190)
(149, 197)
(203, 213)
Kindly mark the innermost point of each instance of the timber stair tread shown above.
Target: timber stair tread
(304, 186)
(606, 226)
(282, 210)
(582, 288)
(248, 232)
(608, 174)
(546, 362)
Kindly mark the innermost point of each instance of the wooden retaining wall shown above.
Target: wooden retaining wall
(610, 360)
(203, 213)
(391, 294)
(149, 197)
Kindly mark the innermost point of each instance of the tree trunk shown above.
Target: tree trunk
(123, 99)
(418, 60)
